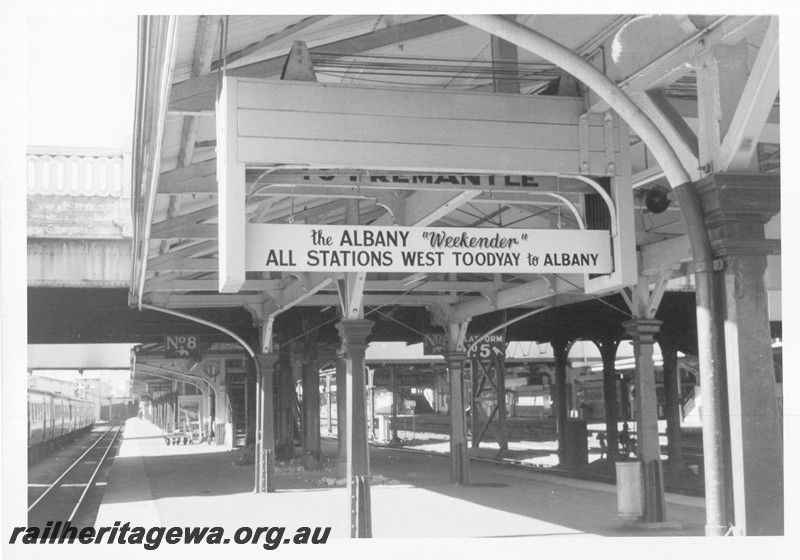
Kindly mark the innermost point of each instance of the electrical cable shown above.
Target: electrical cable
(615, 308)
(373, 310)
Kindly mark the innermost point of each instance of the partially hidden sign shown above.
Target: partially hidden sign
(336, 248)
(490, 346)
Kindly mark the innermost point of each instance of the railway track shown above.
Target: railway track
(64, 498)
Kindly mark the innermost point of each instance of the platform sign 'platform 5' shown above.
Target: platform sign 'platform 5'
(487, 348)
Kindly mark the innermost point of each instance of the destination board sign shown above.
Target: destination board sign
(422, 180)
(336, 248)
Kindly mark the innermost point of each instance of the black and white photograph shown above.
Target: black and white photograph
(326, 282)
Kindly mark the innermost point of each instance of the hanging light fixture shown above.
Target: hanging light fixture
(657, 199)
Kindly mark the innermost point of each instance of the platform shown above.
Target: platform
(153, 484)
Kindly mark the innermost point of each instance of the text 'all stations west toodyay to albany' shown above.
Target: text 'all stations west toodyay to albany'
(408, 249)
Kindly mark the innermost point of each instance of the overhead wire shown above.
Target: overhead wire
(601, 300)
(373, 310)
(410, 66)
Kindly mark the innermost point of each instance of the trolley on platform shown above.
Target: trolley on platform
(184, 432)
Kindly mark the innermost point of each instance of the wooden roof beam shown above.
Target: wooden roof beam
(521, 295)
(316, 300)
(171, 227)
(193, 178)
(186, 264)
(666, 69)
(162, 284)
(754, 106)
(201, 64)
(230, 58)
(673, 126)
(657, 256)
(198, 95)
(176, 282)
(191, 250)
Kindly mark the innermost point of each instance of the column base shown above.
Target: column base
(284, 452)
(360, 508)
(311, 461)
(459, 468)
(653, 525)
(268, 480)
(720, 531)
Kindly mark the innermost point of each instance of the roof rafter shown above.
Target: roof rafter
(267, 41)
(665, 70)
(754, 105)
(198, 95)
(201, 63)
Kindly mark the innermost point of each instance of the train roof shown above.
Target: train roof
(52, 394)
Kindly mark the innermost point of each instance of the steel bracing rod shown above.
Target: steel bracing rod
(710, 344)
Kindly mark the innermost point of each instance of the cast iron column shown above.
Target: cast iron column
(560, 353)
(249, 406)
(459, 453)
(672, 404)
(354, 334)
(266, 364)
(393, 388)
(329, 423)
(341, 415)
(736, 207)
(608, 350)
(258, 441)
(284, 445)
(647, 445)
(311, 441)
(475, 417)
(502, 427)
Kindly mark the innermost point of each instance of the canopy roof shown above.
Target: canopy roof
(654, 59)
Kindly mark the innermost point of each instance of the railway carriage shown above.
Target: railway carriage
(52, 416)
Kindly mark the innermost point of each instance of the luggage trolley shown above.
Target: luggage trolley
(188, 429)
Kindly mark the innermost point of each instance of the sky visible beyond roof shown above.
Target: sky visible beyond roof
(80, 80)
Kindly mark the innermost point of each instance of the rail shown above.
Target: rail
(77, 462)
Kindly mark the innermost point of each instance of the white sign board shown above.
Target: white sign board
(330, 248)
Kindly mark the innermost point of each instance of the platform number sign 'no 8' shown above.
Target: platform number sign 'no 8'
(182, 347)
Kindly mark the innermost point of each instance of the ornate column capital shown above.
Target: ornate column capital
(736, 206)
(354, 333)
(643, 330)
(740, 197)
(266, 361)
(455, 357)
